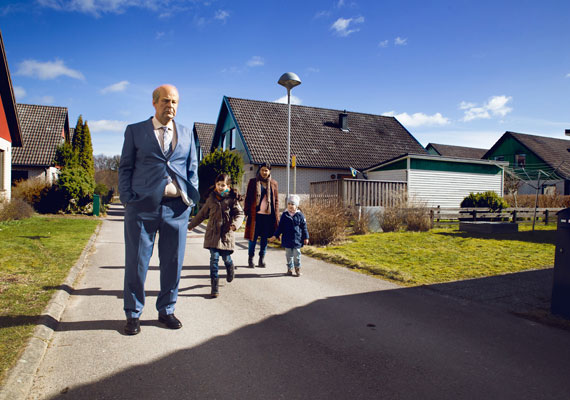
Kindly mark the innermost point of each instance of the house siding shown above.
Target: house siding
(5, 170)
(448, 189)
(304, 178)
(389, 175)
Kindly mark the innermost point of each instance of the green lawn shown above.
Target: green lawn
(36, 255)
(443, 254)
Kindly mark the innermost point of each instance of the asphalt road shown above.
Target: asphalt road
(330, 334)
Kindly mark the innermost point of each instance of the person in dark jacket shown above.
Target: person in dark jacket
(261, 208)
(225, 215)
(293, 229)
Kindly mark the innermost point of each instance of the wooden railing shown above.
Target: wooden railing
(484, 214)
(352, 192)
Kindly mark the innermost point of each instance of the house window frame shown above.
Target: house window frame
(518, 158)
(232, 134)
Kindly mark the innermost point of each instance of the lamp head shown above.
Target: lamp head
(289, 80)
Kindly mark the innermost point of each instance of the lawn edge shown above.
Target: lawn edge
(20, 378)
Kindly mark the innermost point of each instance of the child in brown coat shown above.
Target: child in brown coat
(225, 215)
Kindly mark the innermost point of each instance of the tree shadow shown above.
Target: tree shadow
(548, 236)
(395, 344)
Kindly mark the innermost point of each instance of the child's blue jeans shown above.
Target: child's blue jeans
(293, 257)
(215, 255)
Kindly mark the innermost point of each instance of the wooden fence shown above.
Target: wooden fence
(484, 214)
(352, 192)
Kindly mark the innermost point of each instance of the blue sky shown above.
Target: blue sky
(453, 72)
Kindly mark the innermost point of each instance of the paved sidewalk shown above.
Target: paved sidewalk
(86, 315)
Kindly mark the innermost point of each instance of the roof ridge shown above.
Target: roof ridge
(317, 108)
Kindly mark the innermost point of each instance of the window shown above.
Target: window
(232, 138)
(520, 160)
(224, 141)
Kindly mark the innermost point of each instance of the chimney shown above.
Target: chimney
(567, 132)
(343, 121)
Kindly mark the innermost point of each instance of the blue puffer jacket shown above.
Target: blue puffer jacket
(293, 228)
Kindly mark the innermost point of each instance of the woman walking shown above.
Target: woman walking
(261, 207)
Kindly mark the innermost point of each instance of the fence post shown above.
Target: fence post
(546, 217)
(514, 216)
(431, 216)
(474, 213)
(438, 213)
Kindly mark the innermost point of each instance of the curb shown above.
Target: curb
(20, 378)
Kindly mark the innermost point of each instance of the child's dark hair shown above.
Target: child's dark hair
(226, 178)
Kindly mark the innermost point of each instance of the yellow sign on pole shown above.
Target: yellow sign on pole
(293, 161)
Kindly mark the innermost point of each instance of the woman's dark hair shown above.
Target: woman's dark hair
(266, 165)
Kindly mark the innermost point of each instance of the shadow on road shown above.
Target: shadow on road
(403, 343)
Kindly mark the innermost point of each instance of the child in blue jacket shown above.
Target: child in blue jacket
(293, 227)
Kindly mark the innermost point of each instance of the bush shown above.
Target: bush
(15, 210)
(488, 199)
(218, 162)
(391, 219)
(418, 219)
(30, 190)
(77, 187)
(544, 200)
(326, 223)
(360, 221)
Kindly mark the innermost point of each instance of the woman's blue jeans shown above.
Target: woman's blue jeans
(215, 255)
(262, 246)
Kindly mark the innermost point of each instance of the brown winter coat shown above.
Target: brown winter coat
(221, 215)
(250, 206)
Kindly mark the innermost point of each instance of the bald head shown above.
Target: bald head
(165, 102)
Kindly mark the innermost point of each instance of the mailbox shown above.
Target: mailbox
(561, 286)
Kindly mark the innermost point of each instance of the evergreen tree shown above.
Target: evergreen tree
(85, 152)
(218, 162)
(77, 140)
(64, 156)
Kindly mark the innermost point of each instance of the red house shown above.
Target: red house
(10, 133)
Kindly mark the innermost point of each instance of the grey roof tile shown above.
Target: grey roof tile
(43, 129)
(205, 134)
(316, 137)
(447, 150)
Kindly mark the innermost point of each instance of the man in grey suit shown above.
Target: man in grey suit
(158, 185)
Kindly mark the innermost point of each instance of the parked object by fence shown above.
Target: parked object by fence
(353, 192)
(485, 214)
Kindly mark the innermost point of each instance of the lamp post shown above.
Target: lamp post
(289, 80)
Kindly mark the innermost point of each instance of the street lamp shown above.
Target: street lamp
(289, 80)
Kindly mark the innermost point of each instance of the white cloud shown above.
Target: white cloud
(342, 25)
(496, 106)
(419, 119)
(340, 3)
(383, 43)
(222, 15)
(19, 92)
(400, 41)
(322, 14)
(568, 75)
(105, 125)
(256, 61)
(47, 70)
(294, 100)
(46, 100)
(116, 87)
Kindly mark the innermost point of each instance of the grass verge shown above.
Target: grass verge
(442, 254)
(36, 255)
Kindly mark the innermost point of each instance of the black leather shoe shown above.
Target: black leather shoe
(133, 326)
(170, 321)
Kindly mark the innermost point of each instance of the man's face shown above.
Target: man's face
(166, 105)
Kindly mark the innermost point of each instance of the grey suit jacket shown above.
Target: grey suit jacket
(144, 169)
